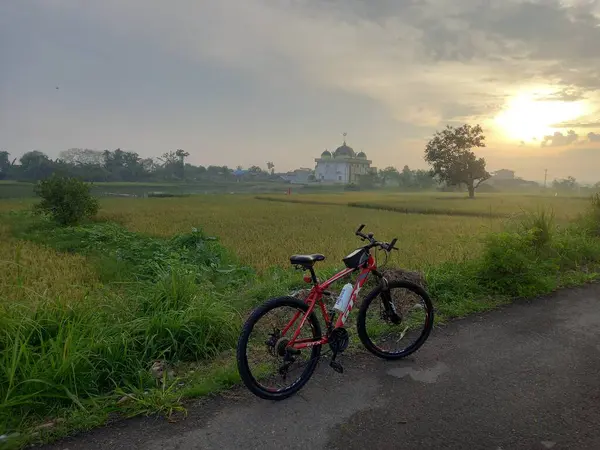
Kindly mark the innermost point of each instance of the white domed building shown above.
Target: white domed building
(343, 166)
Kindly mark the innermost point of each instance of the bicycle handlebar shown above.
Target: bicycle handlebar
(374, 243)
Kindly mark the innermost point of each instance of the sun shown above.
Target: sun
(527, 119)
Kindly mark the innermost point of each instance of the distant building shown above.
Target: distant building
(505, 179)
(298, 176)
(344, 166)
(503, 174)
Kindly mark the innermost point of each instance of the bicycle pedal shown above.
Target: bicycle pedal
(337, 366)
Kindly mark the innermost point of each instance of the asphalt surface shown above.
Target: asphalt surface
(525, 376)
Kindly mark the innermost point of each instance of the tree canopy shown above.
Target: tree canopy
(450, 155)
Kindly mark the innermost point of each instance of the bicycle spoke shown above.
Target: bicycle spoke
(271, 364)
(396, 337)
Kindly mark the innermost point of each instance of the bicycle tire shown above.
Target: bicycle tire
(361, 326)
(242, 358)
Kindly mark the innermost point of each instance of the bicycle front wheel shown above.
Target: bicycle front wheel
(266, 367)
(393, 324)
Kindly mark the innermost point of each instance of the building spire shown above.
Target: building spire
(344, 134)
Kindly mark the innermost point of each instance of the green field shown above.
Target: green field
(15, 189)
(266, 233)
(490, 205)
(87, 310)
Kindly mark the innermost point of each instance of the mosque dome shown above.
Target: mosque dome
(326, 154)
(344, 151)
(361, 155)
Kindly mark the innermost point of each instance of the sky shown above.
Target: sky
(243, 82)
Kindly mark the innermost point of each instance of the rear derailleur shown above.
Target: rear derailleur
(278, 347)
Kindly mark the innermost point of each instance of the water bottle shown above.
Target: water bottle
(342, 300)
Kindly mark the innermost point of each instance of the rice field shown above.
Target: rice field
(494, 205)
(264, 234)
(29, 272)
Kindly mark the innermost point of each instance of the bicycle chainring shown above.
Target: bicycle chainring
(339, 340)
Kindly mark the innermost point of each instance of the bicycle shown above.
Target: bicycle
(285, 346)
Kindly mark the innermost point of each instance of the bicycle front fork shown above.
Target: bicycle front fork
(388, 304)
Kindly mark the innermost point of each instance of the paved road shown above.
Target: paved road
(526, 376)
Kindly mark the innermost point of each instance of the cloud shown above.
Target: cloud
(567, 94)
(415, 58)
(388, 71)
(559, 140)
(577, 125)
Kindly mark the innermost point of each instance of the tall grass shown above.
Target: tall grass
(175, 305)
(532, 256)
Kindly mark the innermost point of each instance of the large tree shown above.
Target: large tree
(5, 164)
(568, 184)
(390, 175)
(82, 156)
(36, 165)
(450, 155)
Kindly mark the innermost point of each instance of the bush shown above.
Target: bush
(590, 221)
(512, 265)
(176, 304)
(67, 200)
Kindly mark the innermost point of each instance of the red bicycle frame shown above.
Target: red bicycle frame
(316, 296)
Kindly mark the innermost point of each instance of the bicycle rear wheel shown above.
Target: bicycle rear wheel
(397, 330)
(264, 365)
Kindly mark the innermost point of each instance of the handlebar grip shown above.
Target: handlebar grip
(391, 246)
(362, 225)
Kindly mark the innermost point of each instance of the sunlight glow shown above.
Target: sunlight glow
(527, 119)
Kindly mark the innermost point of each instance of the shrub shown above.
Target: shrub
(67, 200)
(575, 249)
(511, 265)
(590, 221)
(539, 226)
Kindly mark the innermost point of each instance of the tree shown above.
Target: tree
(367, 180)
(568, 184)
(406, 178)
(83, 156)
(181, 163)
(66, 200)
(423, 179)
(5, 164)
(271, 167)
(390, 175)
(452, 160)
(36, 165)
(174, 163)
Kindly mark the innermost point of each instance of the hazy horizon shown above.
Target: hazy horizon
(243, 83)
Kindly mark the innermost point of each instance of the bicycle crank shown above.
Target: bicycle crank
(338, 342)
